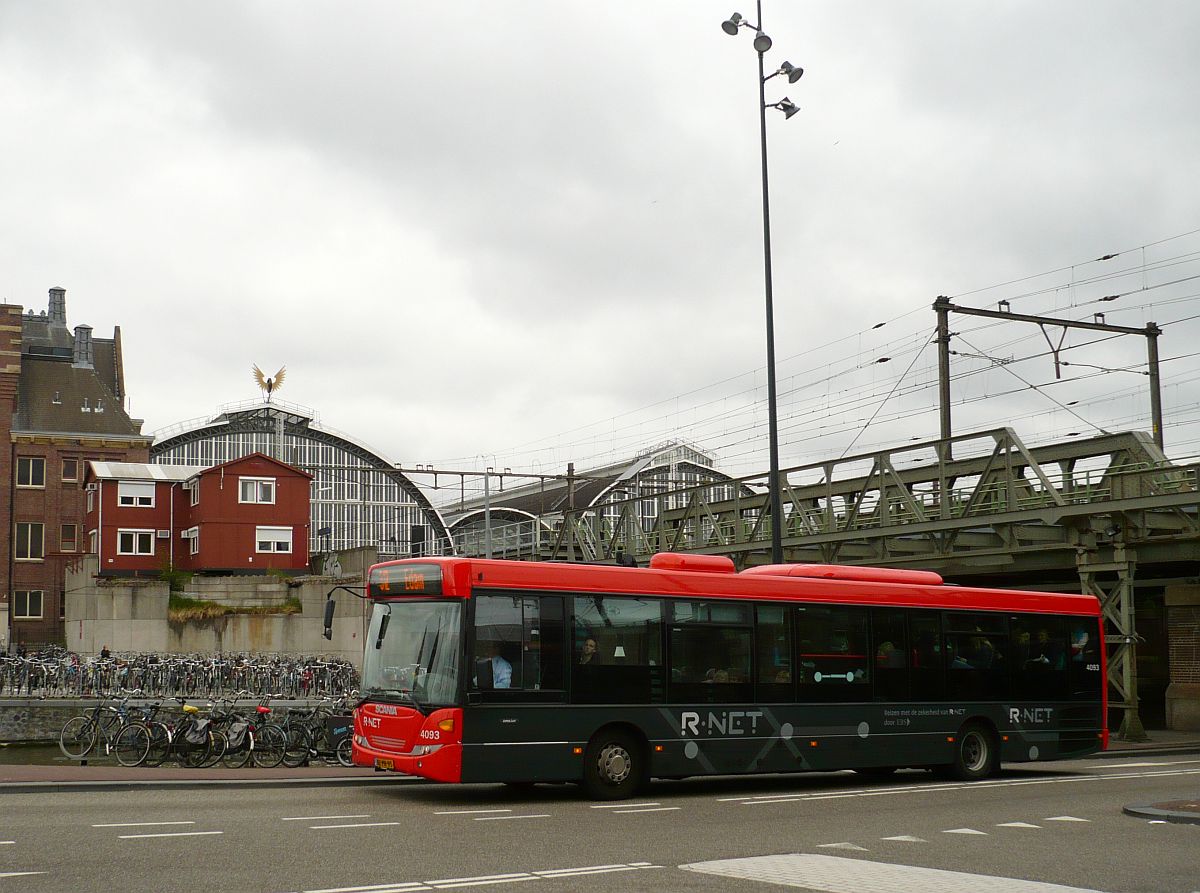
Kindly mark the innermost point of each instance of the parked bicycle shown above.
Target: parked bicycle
(112, 723)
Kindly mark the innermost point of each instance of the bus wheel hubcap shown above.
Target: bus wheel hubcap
(615, 763)
(974, 752)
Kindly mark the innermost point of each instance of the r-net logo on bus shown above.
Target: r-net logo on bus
(723, 722)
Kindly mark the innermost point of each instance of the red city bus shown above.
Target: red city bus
(524, 672)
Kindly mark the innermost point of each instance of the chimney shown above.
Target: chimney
(58, 306)
(83, 347)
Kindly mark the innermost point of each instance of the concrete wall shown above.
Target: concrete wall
(1183, 640)
(130, 615)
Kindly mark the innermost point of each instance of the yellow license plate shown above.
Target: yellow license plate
(381, 763)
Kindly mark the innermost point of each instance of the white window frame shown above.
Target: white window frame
(75, 475)
(192, 534)
(28, 593)
(137, 535)
(276, 540)
(73, 541)
(194, 491)
(29, 545)
(262, 490)
(136, 494)
(29, 462)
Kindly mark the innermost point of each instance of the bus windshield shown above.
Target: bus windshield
(417, 661)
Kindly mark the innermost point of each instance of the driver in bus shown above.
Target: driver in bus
(501, 668)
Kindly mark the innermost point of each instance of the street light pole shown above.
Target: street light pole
(762, 43)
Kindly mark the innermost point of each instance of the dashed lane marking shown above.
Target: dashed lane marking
(844, 845)
(352, 825)
(168, 834)
(838, 874)
(906, 838)
(648, 809)
(7, 842)
(470, 811)
(484, 880)
(1017, 825)
(1065, 818)
(19, 873)
(140, 824)
(321, 818)
(623, 805)
(964, 831)
(503, 818)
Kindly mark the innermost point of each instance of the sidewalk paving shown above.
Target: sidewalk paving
(107, 774)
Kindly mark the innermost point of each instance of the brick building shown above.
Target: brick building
(248, 515)
(61, 406)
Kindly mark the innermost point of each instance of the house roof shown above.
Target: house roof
(56, 396)
(142, 471)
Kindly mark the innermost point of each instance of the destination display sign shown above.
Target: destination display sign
(398, 580)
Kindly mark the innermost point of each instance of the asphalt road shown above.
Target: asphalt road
(1041, 824)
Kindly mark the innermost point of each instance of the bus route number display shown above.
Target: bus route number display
(405, 579)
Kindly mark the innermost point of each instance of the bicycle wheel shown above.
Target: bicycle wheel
(345, 751)
(236, 758)
(194, 756)
(77, 737)
(269, 744)
(295, 752)
(220, 743)
(133, 743)
(160, 744)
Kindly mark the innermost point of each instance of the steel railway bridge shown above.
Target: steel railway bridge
(1086, 515)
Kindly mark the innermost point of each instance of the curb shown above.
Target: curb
(30, 787)
(1151, 811)
(1165, 750)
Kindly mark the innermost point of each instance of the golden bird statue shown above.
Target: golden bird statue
(269, 385)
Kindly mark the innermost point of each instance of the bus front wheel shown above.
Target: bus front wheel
(613, 766)
(976, 754)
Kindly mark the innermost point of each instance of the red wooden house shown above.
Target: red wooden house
(249, 515)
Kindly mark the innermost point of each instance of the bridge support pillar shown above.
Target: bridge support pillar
(1116, 600)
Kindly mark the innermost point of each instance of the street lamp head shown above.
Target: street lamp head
(762, 42)
(788, 107)
(731, 25)
(793, 73)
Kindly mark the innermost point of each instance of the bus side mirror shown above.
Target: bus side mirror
(328, 619)
(483, 673)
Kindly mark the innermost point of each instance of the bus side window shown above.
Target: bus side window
(890, 640)
(927, 674)
(834, 664)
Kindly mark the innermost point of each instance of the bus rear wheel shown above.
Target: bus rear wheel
(612, 766)
(976, 754)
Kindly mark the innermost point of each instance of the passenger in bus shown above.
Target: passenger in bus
(1046, 650)
(888, 655)
(590, 653)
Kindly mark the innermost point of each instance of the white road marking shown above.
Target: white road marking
(352, 825)
(7, 842)
(19, 873)
(650, 809)
(1148, 765)
(622, 805)
(486, 879)
(469, 811)
(964, 831)
(764, 800)
(140, 824)
(481, 880)
(315, 818)
(846, 845)
(165, 834)
(502, 818)
(906, 838)
(1017, 825)
(1065, 818)
(838, 874)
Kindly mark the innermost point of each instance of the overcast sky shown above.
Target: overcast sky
(526, 233)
